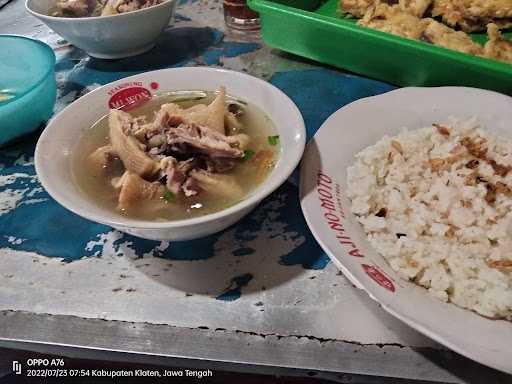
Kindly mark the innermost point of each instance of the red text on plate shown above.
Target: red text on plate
(329, 194)
(379, 277)
(128, 98)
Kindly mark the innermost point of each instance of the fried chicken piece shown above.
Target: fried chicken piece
(415, 7)
(474, 15)
(497, 48)
(489, 8)
(358, 8)
(441, 35)
(392, 19)
(453, 13)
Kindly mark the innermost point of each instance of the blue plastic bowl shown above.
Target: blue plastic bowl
(27, 86)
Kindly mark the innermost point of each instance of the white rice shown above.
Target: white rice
(431, 209)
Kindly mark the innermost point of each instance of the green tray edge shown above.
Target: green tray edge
(300, 23)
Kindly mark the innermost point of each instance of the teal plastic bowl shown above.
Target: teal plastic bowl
(27, 86)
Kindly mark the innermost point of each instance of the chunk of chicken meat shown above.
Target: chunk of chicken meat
(114, 7)
(76, 8)
(217, 185)
(191, 187)
(135, 190)
(194, 138)
(101, 160)
(127, 147)
(175, 175)
(212, 115)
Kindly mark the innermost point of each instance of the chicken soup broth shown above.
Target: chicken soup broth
(178, 156)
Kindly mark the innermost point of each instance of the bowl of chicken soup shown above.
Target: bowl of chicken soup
(174, 154)
(106, 29)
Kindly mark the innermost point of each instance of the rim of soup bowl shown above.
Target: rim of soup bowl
(86, 19)
(269, 185)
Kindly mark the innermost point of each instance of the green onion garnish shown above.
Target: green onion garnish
(168, 195)
(273, 140)
(248, 154)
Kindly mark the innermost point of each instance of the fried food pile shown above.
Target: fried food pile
(414, 19)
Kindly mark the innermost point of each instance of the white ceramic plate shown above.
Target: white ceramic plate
(327, 210)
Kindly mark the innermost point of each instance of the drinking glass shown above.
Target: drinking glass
(238, 15)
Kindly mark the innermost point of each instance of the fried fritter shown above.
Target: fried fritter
(498, 47)
(392, 19)
(358, 8)
(488, 8)
(474, 15)
(443, 36)
(416, 7)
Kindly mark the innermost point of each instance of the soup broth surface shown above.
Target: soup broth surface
(259, 160)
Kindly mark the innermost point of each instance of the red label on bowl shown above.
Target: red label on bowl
(128, 98)
(379, 277)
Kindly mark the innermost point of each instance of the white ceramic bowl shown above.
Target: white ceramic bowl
(108, 37)
(56, 144)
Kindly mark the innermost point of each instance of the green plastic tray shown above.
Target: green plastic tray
(314, 29)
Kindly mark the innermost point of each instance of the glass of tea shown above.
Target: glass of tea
(238, 15)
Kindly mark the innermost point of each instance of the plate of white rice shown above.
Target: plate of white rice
(410, 194)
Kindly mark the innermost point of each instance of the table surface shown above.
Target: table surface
(260, 293)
